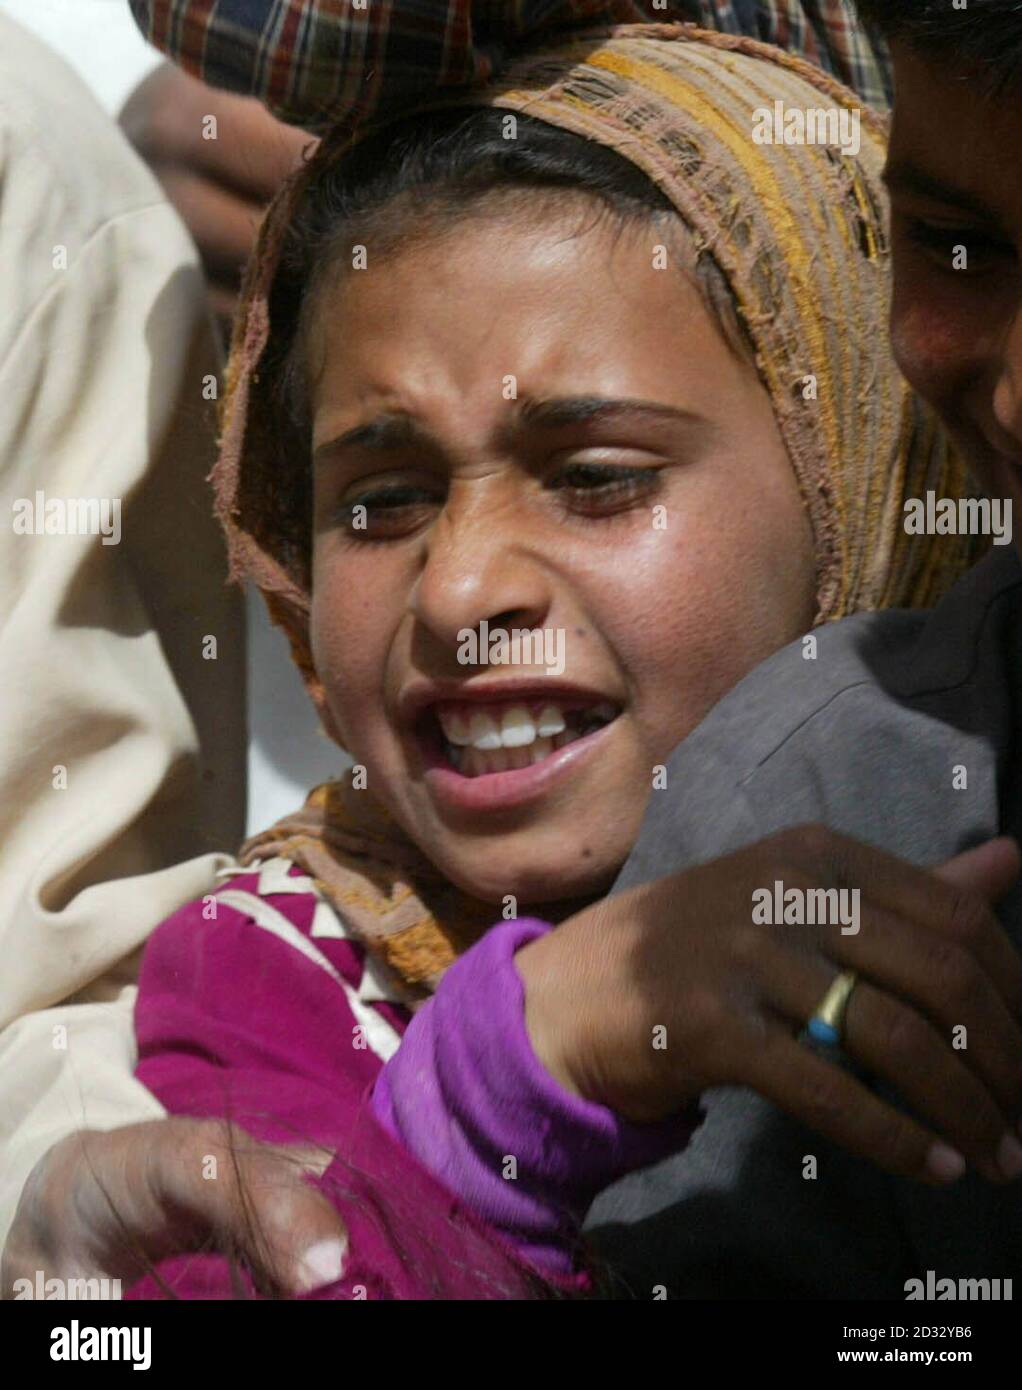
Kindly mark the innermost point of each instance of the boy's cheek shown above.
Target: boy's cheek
(931, 345)
(947, 333)
(941, 356)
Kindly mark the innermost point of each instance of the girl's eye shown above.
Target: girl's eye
(946, 243)
(596, 488)
(392, 510)
(386, 510)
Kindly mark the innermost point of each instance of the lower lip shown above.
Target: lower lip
(496, 791)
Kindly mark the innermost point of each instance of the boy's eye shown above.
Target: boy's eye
(597, 487)
(946, 244)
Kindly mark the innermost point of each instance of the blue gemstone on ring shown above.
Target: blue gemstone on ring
(823, 1032)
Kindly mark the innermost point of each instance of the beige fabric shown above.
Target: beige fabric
(390, 896)
(101, 368)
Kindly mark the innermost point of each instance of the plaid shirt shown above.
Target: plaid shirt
(316, 62)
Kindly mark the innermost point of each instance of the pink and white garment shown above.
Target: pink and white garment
(256, 1002)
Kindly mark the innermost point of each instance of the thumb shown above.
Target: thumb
(990, 869)
(285, 1229)
(261, 1207)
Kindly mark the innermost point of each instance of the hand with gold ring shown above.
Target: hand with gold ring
(682, 960)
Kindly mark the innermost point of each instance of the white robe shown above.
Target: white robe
(101, 666)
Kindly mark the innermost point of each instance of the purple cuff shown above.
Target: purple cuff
(467, 1096)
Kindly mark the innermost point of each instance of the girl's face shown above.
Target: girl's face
(538, 431)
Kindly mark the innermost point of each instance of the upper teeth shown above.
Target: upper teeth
(515, 728)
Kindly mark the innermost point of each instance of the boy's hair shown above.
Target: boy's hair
(986, 34)
(426, 174)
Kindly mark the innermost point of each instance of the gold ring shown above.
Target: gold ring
(827, 1022)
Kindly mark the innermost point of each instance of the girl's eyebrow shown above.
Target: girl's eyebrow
(391, 431)
(557, 411)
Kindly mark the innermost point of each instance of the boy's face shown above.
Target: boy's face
(955, 178)
(664, 551)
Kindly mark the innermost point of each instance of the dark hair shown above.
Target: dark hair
(986, 34)
(422, 175)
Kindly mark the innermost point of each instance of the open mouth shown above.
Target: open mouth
(478, 740)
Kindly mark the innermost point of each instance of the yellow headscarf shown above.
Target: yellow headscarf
(800, 233)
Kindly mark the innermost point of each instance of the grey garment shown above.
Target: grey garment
(865, 738)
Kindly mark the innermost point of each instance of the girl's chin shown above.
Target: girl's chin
(537, 889)
(541, 846)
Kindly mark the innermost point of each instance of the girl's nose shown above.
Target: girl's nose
(479, 568)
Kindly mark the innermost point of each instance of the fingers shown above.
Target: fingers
(894, 1041)
(222, 225)
(990, 869)
(174, 120)
(834, 1104)
(221, 158)
(116, 1203)
(938, 902)
(253, 152)
(258, 1206)
(943, 981)
(54, 1230)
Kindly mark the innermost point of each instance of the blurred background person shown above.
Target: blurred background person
(122, 748)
